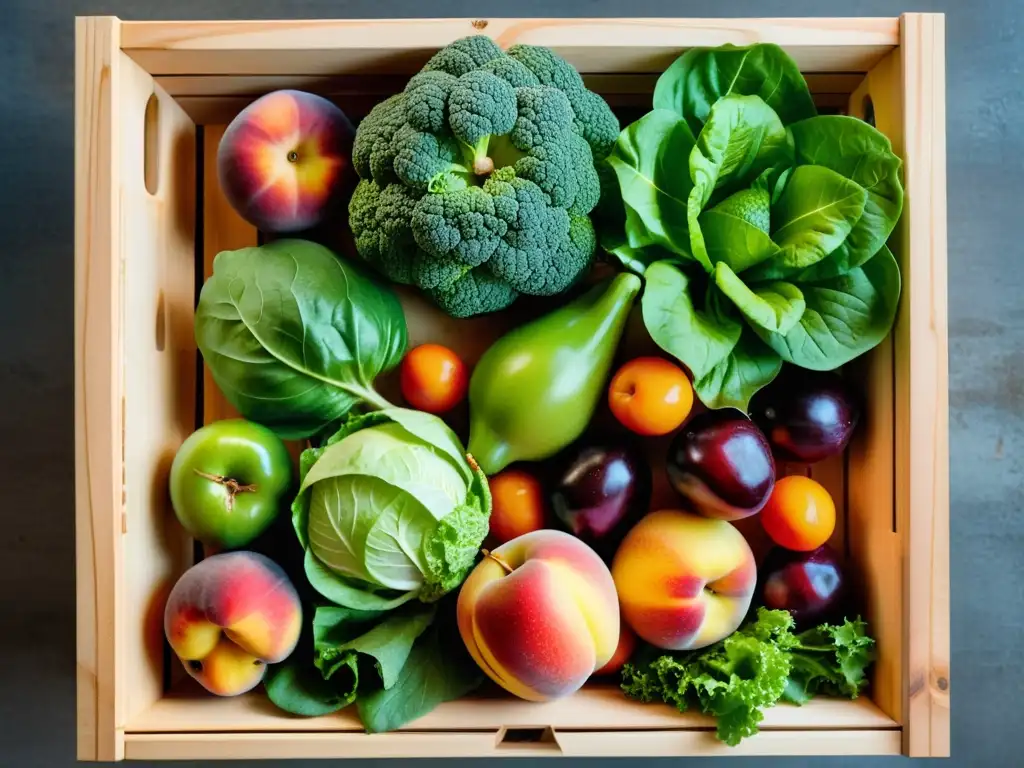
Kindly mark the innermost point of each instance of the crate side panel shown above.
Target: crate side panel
(402, 46)
(98, 386)
(871, 536)
(922, 432)
(158, 241)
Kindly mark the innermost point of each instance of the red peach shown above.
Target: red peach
(539, 615)
(684, 581)
(229, 616)
(285, 161)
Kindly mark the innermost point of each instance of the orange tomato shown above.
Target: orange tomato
(433, 378)
(650, 396)
(517, 505)
(800, 514)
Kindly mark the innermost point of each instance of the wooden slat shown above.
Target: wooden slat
(223, 230)
(401, 46)
(571, 744)
(98, 385)
(157, 236)
(594, 707)
(384, 85)
(871, 538)
(922, 439)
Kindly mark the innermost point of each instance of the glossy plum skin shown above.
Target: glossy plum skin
(807, 416)
(810, 585)
(599, 491)
(722, 464)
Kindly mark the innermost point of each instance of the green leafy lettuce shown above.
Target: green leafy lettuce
(760, 664)
(389, 509)
(760, 226)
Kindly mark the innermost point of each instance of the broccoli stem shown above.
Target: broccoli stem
(477, 157)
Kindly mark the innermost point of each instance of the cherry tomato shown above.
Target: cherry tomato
(800, 515)
(433, 378)
(650, 396)
(517, 505)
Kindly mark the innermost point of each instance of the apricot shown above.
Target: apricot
(684, 581)
(229, 616)
(539, 615)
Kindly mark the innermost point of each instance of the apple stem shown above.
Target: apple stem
(233, 486)
(498, 559)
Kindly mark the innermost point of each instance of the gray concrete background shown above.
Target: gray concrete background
(985, 55)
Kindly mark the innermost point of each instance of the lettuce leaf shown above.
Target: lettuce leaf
(760, 664)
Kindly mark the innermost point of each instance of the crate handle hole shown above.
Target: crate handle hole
(161, 322)
(868, 109)
(528, 738)
(151, 145)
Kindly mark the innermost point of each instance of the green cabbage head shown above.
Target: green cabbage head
(390, 509)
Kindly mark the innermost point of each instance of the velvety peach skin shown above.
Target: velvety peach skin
(229, 616)
(540, 615)
(684, 581)
(285, 161)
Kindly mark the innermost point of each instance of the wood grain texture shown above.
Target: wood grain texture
(872, 539)
(596, 707)
(486, 745)
(401, 46)
(98, 386)
(922, 428)
(157, 243)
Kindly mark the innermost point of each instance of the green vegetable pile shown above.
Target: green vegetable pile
(477, 179)
(760, 226)
(757, 666)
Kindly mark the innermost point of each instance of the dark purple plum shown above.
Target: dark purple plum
(599, 491)
(722, 464)
(810, 585)
(807, 416)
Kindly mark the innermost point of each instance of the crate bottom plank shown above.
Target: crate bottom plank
(246, 746)
(596, 707)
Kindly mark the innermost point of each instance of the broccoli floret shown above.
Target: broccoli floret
(479, 178)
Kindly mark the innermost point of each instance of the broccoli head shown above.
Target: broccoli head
(478, 179)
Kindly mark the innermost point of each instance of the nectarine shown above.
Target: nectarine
(285, 161)
(684, 581)
(229, 616)
(539, 615)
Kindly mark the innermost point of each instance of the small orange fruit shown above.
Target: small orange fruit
(800, 514)
(650, 396)
(433, 378)
(517, 505)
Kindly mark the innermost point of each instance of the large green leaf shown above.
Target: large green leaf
(813, 216)
(774, 306)
(845, 316)
(294, 337)
(649, 162)
(702, 76)
(735, 241)
(700, 339)
(751, 365)
(741, 138)
(346, 592)
(864, 155)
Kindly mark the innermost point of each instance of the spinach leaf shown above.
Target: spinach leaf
(775, 306)
(647, 160)
(295, 337)
(845, 316)
(813, 216)
(699, 339)
(438, 670)
(731, 238)
(864, 155)
(741, 138)
(750, 366)
(296, 686)
(702, 76)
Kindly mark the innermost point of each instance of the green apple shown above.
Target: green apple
(229, 480)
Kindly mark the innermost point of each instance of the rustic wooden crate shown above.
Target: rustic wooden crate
(152, 99)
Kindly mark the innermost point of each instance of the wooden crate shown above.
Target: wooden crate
(152, 99)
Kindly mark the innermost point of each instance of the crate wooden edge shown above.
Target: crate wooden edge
(193, 746)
